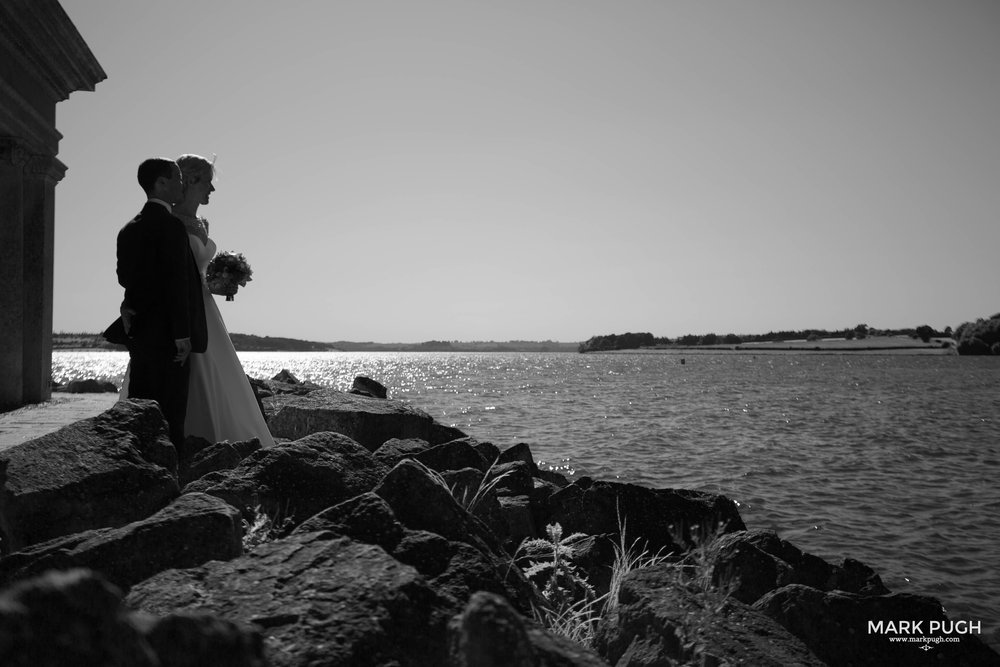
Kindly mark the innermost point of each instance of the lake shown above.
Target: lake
(890, 459)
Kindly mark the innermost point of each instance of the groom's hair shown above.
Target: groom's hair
(152, 169)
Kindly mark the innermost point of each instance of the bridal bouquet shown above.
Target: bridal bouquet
(227, 272)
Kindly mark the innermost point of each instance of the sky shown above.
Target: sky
(402, 171)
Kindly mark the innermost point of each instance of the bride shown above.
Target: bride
(221, 403)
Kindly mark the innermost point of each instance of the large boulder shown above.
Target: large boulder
(663, 620)
(669, 519)
(223, 455)
(394, 450)
(89, 386)
(192, 530)
(105, 471)
(844, 628)
(69, 618)
(294, 480)
(473, 491)
(754, 562)
(365, 386)
(318, 599)
(421, 501)
(200, 640)
(454, 455)
(369, 421)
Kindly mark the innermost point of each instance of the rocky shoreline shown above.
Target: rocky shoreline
(118, 549)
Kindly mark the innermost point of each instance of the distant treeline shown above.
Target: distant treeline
(625, 341)
(242, 342)
(458, 346)
(251, 343)
(632, 341)
(979, 337)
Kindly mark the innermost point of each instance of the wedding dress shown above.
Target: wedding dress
(221, 404)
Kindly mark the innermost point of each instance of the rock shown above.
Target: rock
(479, 500)
(554, 650)
(275, 388)
(105, 471)
(437, 510)
(394, 450)
(519, 452)
(285, 376)
(464, 484)
(283, 383)
(258, 396)
(757, 561)
(661, 622)
(441, 433)
(556, 479)
(192, 530)
(519, 522)
(513, 478)
(366, 386)
(190, 447)
(198, 640)
(68, 618)
(295, 480)
(542, 490)
(489, 451)
(455, 569)
(317, 600)
(260, 389)
(594, 508)
(835, 625)
(220, 456)
(365, 517)
(90, 386)
(453, 455)
(489, 633)
(369, 421)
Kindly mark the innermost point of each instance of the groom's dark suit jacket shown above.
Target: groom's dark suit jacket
(161, 281)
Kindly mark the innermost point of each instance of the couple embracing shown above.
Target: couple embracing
(180, 353)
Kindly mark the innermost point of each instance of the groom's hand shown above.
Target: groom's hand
(183, 350)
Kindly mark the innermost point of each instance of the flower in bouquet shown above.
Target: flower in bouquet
(227, 272)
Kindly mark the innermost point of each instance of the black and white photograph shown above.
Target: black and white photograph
(499, 333)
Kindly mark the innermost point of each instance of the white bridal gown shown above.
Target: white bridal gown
(221, 404)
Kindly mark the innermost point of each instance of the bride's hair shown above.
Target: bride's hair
(194, 168)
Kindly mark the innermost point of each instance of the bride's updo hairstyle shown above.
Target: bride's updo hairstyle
(194, 168)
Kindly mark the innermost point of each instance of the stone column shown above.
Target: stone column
(43, 59)
(13, 157)
(42, 172)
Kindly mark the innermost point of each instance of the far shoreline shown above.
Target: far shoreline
(872, 346)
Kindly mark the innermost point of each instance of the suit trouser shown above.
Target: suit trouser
(154, 374)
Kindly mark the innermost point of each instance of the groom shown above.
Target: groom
(163, 311)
